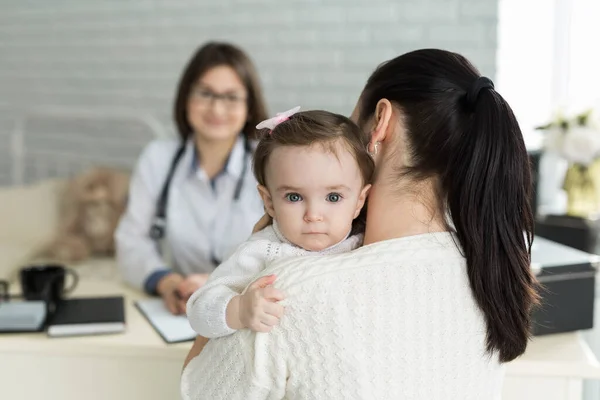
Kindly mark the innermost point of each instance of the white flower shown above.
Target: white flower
(553, 139)
(581, 144)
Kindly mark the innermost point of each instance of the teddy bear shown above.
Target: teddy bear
(89, 211)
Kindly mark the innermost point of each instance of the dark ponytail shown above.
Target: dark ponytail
(462, 131)
(489, 184)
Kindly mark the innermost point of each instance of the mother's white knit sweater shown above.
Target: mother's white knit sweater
(391, 320)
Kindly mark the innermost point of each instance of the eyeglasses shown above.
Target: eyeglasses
(206, 97)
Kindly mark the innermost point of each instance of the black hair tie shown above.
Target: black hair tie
(473, 93)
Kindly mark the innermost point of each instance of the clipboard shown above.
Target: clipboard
(171, 328)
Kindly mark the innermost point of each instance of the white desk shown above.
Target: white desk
(134, 365)
(553, 367)
(139, 365)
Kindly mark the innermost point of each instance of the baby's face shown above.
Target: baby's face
(314, 194)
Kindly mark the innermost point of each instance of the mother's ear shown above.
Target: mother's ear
(382, 122)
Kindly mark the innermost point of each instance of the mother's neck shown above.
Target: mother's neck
(394, 214)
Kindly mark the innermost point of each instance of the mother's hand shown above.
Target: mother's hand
(197, 347)
(262, 223)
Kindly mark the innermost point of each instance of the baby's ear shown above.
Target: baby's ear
(267, 200)
(362, 198)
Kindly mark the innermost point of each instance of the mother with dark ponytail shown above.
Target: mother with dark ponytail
(440, 295)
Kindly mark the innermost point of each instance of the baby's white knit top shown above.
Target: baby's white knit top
(206, 308)
(392, 320)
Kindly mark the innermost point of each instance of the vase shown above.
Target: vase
(582, 185)
(551, 198)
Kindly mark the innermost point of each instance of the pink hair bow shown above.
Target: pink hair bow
(271, 123)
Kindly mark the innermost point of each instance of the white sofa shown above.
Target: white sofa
(28, 221)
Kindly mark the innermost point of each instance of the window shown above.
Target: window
(547, 59)
(584, 55)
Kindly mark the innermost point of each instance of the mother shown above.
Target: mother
(440, 295)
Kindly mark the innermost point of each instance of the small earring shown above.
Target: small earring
(375, 149)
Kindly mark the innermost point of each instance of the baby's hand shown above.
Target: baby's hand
(259, 309)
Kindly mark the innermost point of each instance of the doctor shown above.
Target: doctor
(193, 199)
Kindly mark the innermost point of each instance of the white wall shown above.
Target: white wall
(128, 54)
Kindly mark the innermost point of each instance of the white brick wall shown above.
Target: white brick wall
(128, 54)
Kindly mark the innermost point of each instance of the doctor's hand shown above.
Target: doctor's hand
(190, 284)
(167, 289)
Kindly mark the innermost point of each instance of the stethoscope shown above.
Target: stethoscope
(159, 222)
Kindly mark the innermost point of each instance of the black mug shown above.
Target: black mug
(47, 283)
(4, 293)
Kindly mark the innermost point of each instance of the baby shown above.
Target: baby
(314, 175)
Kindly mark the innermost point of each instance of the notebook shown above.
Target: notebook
(172, 328)
(87, 316)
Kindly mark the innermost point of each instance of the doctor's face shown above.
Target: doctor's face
(217, 107)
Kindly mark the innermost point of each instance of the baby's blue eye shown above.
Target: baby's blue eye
(334, 197)
(293, 197)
